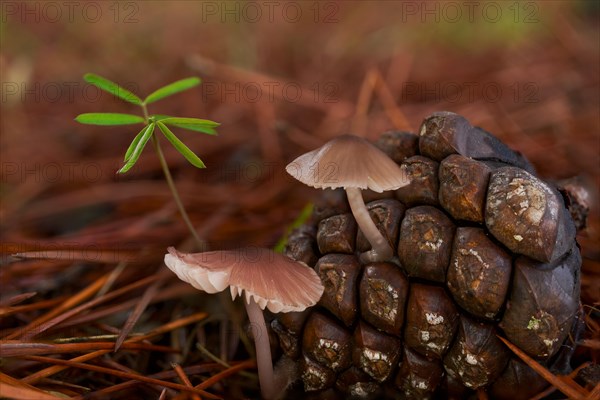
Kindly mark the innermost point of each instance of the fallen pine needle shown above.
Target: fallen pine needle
(23, 393)
(564, 387)
(552, 389)
(137, 312)
(15, 389)
(192, 370)
(63, 316)
(125, 375)
(224, 374)
(158, 331)
(184, 378)
(33, 327)
(18, 348)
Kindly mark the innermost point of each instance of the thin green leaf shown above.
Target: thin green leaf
(299, 221)
(135, 142)
(171, 89)
(108, 119)
(193, 124)
(182, 148)
(137, 151)
(159, 117)
(112, 88)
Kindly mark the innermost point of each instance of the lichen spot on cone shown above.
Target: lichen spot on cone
(527, 215)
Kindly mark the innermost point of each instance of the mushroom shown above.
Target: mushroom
(353, 163)
(269, 280)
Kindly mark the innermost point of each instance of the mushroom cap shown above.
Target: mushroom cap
(205, 271)
(273, 280)
(348, 162)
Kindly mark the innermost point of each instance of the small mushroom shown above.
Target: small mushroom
(269, 280)
(354, 164)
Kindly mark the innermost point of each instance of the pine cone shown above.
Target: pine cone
(482, 247)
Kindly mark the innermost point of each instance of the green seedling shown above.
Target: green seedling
(150, 122)
(148, 132)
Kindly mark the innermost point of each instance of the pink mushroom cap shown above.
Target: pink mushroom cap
(273, 280)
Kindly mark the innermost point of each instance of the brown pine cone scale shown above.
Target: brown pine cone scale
(482, 248)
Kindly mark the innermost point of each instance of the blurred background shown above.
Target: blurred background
(281, 78)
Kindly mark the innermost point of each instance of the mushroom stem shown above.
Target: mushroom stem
(263, 349)
(381, 249)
